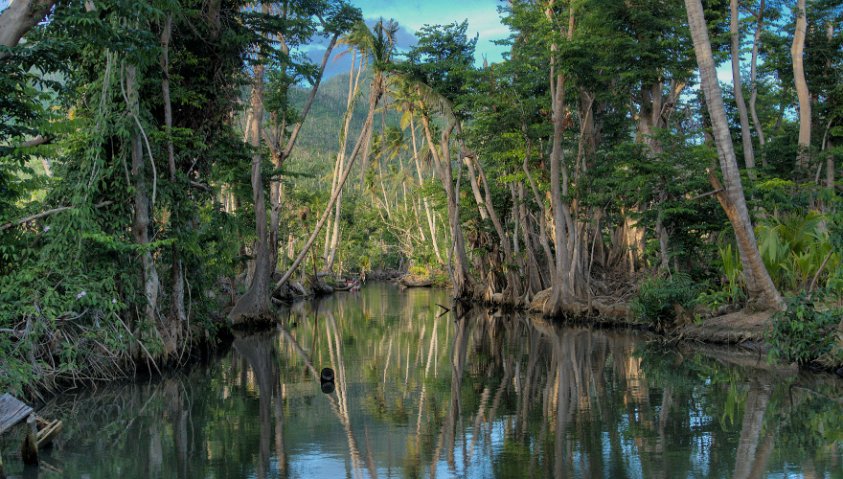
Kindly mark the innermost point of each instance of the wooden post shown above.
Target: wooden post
(29, 450)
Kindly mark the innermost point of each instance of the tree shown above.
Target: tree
(406, 100)
(797, 52)
(380, 45)
(332, 232)
(334, 17)
(746, 135)
(753, 76)
(18, 18)
(439, 65)
(255, 304)
(562, 288)
(760, 288)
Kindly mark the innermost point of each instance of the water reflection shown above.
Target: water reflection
(467, 394)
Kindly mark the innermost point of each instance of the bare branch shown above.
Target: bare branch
(46, 213)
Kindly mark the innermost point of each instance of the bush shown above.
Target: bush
(804, 332)
(658, 298)
(417, 270)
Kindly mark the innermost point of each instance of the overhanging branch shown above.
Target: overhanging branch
(46, 213)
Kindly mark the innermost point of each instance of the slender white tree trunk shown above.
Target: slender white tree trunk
(796, 52)
(753, 72)
(332, 233)
(430, 220)
(365, 133)
(737, 86)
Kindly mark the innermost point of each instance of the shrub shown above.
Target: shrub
(417, 270)
(803, 332)
(658, 298)
(798, 250)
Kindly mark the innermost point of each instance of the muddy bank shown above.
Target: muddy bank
(732, 328)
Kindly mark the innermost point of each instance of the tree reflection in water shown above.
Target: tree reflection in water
(471, 393)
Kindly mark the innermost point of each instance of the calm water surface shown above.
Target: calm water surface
(423, 395)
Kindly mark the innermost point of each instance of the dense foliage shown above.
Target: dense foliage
(805, 331)
(160, 162)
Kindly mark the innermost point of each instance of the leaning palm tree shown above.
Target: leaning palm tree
(760, 287)
(332, 232)
(379, 45)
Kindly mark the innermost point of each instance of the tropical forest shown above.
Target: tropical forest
(363, 238)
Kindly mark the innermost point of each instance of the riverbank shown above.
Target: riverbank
(406, 374)
(740, 330)
(730, 328)
(791, 338)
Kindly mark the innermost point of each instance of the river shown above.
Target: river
(424, 393)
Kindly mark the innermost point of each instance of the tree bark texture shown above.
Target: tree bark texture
(255, 303)
(796, 52)
(20, 17)
(760, 288)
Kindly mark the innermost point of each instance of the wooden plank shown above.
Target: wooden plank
(12, 411)
(47, 433)
(29, 448)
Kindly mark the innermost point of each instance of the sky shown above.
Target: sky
(411, 15)
(483, 21)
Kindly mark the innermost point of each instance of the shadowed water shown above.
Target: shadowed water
(475, 394)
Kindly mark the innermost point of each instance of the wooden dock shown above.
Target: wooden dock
(40, 432)
(12, 411)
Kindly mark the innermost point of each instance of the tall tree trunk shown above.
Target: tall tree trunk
(462, 285)
(746, 136)
(753, 71)
(142, 218)
(255, 304)
(760, 287)
(829, 158)
(178, 313)
(562, 290)
(796, 53)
